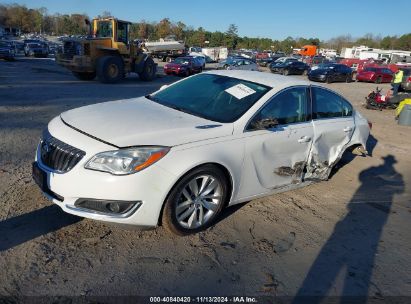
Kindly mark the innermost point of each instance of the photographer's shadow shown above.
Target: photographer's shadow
(26, 227)
(351, 249)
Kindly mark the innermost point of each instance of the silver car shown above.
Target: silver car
(243, 65)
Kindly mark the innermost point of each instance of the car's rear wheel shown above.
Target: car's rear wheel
(348, 78)
(286, 72)
(195, 201)
(378, 80)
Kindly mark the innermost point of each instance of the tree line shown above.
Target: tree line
(30, 20)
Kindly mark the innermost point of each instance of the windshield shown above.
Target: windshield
(182, 60)
(104, 29)
(326, 66)
(214, 97)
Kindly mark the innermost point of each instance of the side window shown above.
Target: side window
(246, 62)
(122, 32)
(346, 108)
(287, 107)
(327, 104)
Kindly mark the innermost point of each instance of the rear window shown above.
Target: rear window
(327, 104)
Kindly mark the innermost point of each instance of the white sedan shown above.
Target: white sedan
(177, 157)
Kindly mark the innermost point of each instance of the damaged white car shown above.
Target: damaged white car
(177, 157)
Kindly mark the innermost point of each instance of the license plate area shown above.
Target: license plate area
(39, 177)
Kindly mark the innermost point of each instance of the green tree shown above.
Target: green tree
(231, 38)
(163, 28)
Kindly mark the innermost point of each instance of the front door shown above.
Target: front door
(276, 156)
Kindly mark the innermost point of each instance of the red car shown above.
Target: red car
(183, 66)
(375, 74)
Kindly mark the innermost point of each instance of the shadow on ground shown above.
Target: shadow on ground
(346, 261)
(26, 227)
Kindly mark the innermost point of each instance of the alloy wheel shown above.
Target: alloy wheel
(198, 202)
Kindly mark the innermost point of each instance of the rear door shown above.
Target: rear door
(334, 125)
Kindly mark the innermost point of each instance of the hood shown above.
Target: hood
(140, 121)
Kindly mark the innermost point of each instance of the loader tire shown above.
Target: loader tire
(110, 69)
(149, 70)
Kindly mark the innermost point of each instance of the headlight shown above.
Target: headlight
(126, 161)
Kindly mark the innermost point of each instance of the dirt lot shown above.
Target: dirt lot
(347, 236)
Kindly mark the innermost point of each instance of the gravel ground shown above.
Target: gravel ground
(346, 236)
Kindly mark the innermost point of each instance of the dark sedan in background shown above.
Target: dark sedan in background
(375, 74)
(290, 67)
(183, 66)
(7, 50)
(331, 72)
(36, 49)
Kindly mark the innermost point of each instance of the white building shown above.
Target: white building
(364, 52)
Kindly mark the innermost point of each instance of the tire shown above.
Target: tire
(328, 79)
(169, 59)
(110, 69)
(186, 73)
(286, 72)
(84, 76)
(348, 79)
(378, 80)
(185, 219)
(354, 76)
(149, 70)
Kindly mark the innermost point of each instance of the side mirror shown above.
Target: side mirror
(265, 123)
(163, 87)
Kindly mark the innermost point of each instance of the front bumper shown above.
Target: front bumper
(148, 187)
(317, 77)
(76, 64)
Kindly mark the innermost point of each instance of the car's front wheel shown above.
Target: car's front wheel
(195, 201)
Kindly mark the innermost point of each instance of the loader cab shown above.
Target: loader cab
(112, 28)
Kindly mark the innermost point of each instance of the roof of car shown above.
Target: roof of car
(268, 79)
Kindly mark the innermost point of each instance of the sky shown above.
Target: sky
(264, 18)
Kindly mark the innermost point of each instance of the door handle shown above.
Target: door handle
(347, 129)
(304, 139)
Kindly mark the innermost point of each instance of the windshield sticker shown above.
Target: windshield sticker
(240, 91)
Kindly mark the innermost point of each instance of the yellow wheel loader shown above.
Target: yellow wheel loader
(106, 53)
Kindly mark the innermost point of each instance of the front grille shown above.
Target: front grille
(58, 155)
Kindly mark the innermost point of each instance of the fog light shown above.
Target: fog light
(114, 207)
(108, 207)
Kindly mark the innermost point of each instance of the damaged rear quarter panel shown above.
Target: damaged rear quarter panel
(331, 138)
